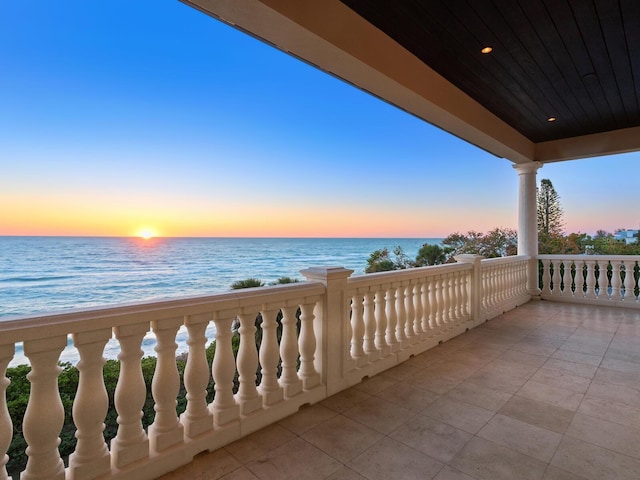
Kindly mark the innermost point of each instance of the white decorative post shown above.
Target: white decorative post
(247, 362)
(289, 380)
(44, 416)
(166, 429)
(357, 329)
(473, 291)
(269, 387)
(91, 458)
(528, 221)
(224, 407)
(197, 419)
(6, 426)
(332, 332)
(307, 345)
(130, 443)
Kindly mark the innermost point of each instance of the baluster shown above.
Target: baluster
(615, 281)
(402, 318)
(197, 419)
(433, 306)
(289, 379)
(91, 458)
(44, 416)
(224, 406)
(629, 281)
(307, 345)
(446, 302)
(455, 317)
(369, 327)
(566, 278)
(269, 388)
(546, 277)
(6, 425)
(464, 285)
(130, 443)
(392, 319)
(247, 363)
(426, 308)
(442, 320)
(603, 281)
(357, 327)
(410, 313)
(579, 279)
(417, 304)
(591, 279)
(457, 278)
(381, 323)
(166, 429)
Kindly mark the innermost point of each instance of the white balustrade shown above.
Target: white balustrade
(383, 320)
(593, 279)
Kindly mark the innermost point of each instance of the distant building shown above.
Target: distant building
(629, 236)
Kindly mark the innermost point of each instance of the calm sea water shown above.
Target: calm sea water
(48, 274)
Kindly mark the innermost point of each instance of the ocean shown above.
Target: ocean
(40, 275)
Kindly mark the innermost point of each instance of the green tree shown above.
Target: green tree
(550, 214)
(499, 242)
(431, 254)
(384, 261)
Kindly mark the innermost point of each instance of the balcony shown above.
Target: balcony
(400, 362)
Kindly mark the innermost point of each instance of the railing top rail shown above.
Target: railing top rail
(505, 260)
(397, 276)
(589, 257)
(16, 329)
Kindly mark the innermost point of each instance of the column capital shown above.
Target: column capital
(530, 167)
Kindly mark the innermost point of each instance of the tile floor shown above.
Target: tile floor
(547, 391)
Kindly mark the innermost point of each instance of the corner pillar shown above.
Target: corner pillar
(528, 221)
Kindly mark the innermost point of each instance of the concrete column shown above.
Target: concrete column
(333, 341)
(528, 221)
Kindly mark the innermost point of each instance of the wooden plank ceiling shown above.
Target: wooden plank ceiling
(577, 61)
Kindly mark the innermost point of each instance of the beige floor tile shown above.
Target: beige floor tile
(593, 462)
(560, 397)
(307, 418)
(555, 473)
(496, 381)
(345, 400)
(259, 443)
(523, 437)
(511, 370)
(461, 415)
(375, 384)
(403, 371)
(342, 438)
(617, 394)
(479, 396)
(379, 414)
(432, 437)
(577, 357)
(346, 473)
(240, 474)
(448, 473)
(606, 434)
(573, 346)
(524, 358)
(435, 382)
(615, 377)
(391, 459)
(623, 355)
(540, 414)
(214, 465)
(409, 396)
(619, 365)
(619, 413)
(561, 379)
(578, 369)
(486, 460)
(296, 460)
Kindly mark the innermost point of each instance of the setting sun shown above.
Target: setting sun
(146, 233)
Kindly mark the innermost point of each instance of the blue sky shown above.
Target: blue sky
(117, 116)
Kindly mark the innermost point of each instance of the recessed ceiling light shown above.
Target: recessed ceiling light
(551, 119)
(487, 50)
